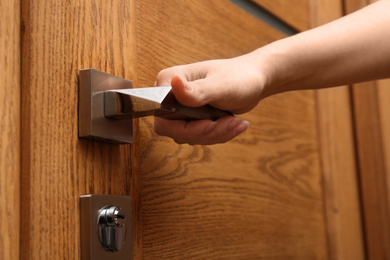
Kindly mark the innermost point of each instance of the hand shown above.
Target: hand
(346, 51)
(233, 84)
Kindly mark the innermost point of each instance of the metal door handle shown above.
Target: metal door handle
(108, 103)
(159, 101)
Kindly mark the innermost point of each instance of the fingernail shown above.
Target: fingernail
(241, 128)
(155, 83)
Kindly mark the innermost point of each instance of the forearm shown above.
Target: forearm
(352, 49)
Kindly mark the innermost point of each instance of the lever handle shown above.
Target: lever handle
(158, 101)
(194, 113)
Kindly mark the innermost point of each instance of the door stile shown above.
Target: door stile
(59, 39)
(9, 128)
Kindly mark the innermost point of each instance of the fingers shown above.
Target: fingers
(188, 84)
(189, 72)
(204, 132)
(192, 94)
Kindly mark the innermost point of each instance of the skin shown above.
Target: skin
(352, 49)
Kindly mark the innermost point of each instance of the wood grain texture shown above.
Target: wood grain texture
(373, 172)
(354, 5)
(259, 196)
(383, 96)
(9, 128)
(296, 13)
(341, 185)
(60, 38)
(370, 115)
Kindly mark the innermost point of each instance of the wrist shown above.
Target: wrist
(271, 62)
(281, 65)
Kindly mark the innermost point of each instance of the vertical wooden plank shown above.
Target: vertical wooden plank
(373, 169)
(383, 97)
(370, 101)
(59, 39)
(341, 187)
(9, 128)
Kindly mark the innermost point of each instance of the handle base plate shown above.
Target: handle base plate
(92, 122)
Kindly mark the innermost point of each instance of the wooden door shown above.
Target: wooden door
(284, 190)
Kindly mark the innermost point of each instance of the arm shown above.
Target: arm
(352, 49)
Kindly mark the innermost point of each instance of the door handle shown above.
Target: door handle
(107, 105)
(158, 101)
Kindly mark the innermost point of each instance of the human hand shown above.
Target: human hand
(233, 84)
(325, 56)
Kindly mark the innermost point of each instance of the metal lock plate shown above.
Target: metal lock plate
(92, 121)
(106, 227)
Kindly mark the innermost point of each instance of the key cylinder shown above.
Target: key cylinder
(112, 228)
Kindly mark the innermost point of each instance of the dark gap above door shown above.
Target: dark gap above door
(265, 16)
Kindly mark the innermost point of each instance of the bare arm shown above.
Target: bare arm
(352, 49)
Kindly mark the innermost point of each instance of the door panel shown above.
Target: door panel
(261, 195)
(9, 128)
(59, 39)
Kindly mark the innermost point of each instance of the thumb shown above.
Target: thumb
(190, 93)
